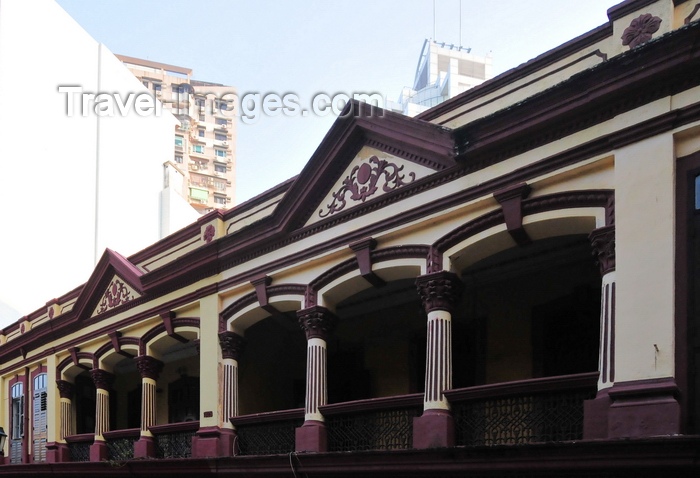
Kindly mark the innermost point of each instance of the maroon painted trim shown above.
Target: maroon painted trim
(82, 438)
(176, 248)
(511, 201)
(686, 168)
(381, 255)
(111, 263)
(363, 254)
(175, 427)
(689, 18)
(535, 205)
(382, 403)
(266, 417)
(168, 329)
(612, 332)
(124, 433)
(71, 325)
(641, 388)
(515, 74)
(251, 298)
(627, 458)
(533, 81)
(519, 387)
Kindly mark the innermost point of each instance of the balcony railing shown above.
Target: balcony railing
(528, 411)
(79, 446)
(120, 444)
(174, 440)
(374, 424)
(268, 433)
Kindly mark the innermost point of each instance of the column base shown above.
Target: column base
(311, 437)
(212, 442)
(57, 452)
(98, 451)
(434, 429)
(145, 447)
(644, 408)
(595, 416)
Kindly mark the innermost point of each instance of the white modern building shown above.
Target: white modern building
(443, 71)
(79, 172)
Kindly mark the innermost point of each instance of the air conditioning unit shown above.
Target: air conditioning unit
(225, 143)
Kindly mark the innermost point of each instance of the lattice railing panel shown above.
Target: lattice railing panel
(174, 444)
(514, 420)
(119, 449)
(79, 451)
(372, 430)
(267, 438)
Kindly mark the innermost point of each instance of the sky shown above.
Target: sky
(312, 47)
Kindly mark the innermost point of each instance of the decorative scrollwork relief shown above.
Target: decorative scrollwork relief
(116, 294)
(365, 180)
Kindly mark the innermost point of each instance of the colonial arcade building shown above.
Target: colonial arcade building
(505, 285)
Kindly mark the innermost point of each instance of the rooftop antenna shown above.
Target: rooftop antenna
(460, 24)
(434, 20)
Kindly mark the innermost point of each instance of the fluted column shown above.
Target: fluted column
(596, 411)
(149, 368)
(439, 292)
(317, 322)
(103, 383)
(231, 349)
(65, 391)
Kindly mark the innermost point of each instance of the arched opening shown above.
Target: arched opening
(378, 346)
(272, 370)
(177, 392)
(529, 312)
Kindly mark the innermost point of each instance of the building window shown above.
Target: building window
(178, 158)
(179, 141)
(219, 168)
(39, 422)
(145, 83)
(200, 132)
(220, 137)
(220, 153)
(200, 102)
(201, 118)
(17, 430)
(220, 185)
(222, 121)
(198, 148)
(219, 199)
(157, 86)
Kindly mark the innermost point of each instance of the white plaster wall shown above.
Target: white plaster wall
(49, 191)
(644, 236)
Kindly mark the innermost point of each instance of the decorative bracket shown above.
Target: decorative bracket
(261, 283)
(363, 252)
(511, 201)
(167, 318)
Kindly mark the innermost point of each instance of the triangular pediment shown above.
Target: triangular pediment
(114, 282)
(367, 153)
(371, 174)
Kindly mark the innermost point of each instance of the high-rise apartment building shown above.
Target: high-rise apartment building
(205, 138)
(443, 71)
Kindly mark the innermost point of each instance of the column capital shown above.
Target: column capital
(603, 242)
(65, 389)
(232, 345)
(317, 322)
(439, 290)
(149, 367)
(102, 378)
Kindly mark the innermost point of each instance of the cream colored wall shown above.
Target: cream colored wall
(645, 243)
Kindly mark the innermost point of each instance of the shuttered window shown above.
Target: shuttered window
(39, 419)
